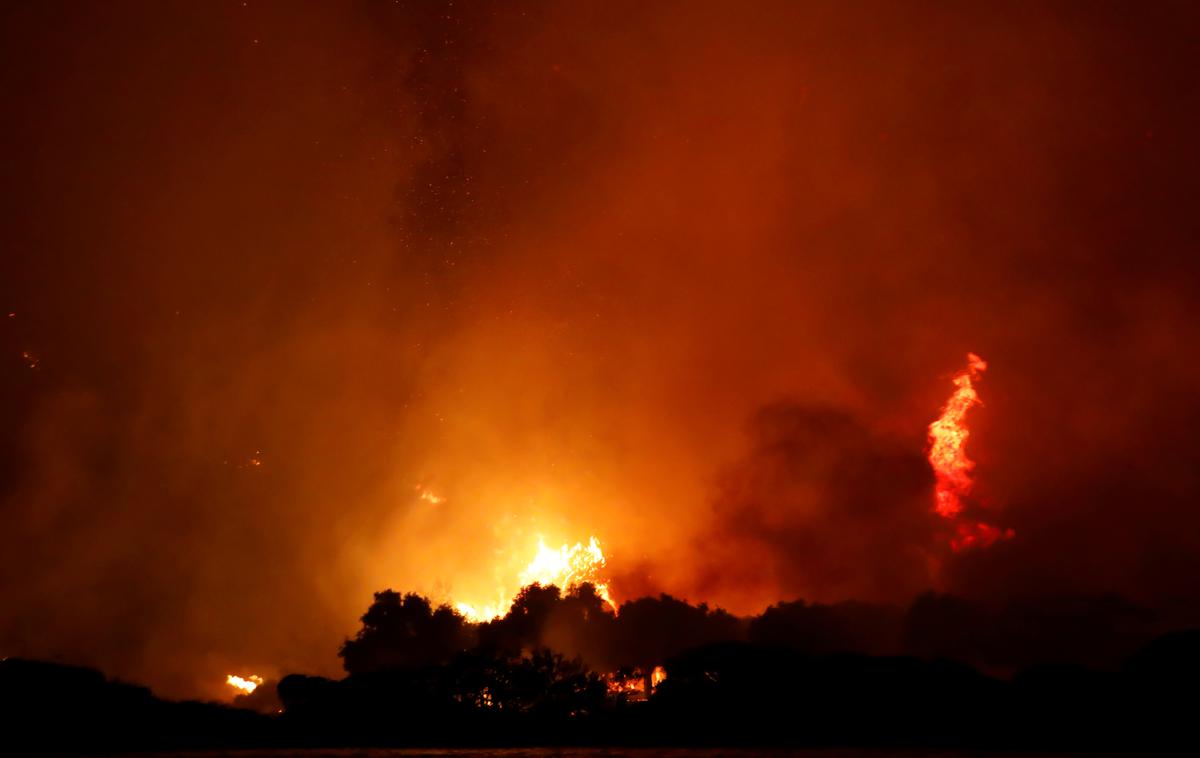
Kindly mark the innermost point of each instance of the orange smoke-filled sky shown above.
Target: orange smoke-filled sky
(690, 277)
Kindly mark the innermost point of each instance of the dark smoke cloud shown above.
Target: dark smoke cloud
(547, 259)
(823, 508)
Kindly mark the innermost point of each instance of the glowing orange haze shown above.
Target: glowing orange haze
(603, 268)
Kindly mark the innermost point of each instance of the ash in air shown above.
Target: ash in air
(801, 308)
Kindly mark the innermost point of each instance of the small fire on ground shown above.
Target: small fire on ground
(633, 686)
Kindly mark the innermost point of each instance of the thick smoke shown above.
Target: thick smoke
(821, 509)
(546, 260)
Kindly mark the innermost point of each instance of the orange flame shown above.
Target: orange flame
(565, 568)
(948, 439)
(245, 684)
(951, 466)
(634, 686)
(658, 676)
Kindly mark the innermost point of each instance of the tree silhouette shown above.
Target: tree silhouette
(405, 631)
(817, 628)
(650, 631)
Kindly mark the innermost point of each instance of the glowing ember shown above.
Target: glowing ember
(951, 466)
(634, 686)
(565, 568)
(978, 534)
(246, 685)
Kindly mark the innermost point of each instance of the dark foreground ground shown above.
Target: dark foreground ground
(593, 752)
(720, 695)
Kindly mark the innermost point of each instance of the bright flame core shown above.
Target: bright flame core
(246, 685)
(948, 439)
(565, 568)
(658, 676)
(951, 466)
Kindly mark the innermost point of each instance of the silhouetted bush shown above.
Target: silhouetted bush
(51, 708)
(796, 675)
(401, 631)
(844, 627)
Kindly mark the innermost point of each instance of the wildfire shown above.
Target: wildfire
(245, 684)
(952, 468)
(566, 568)
(948, 439)
(658, 676)
(634, 686)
